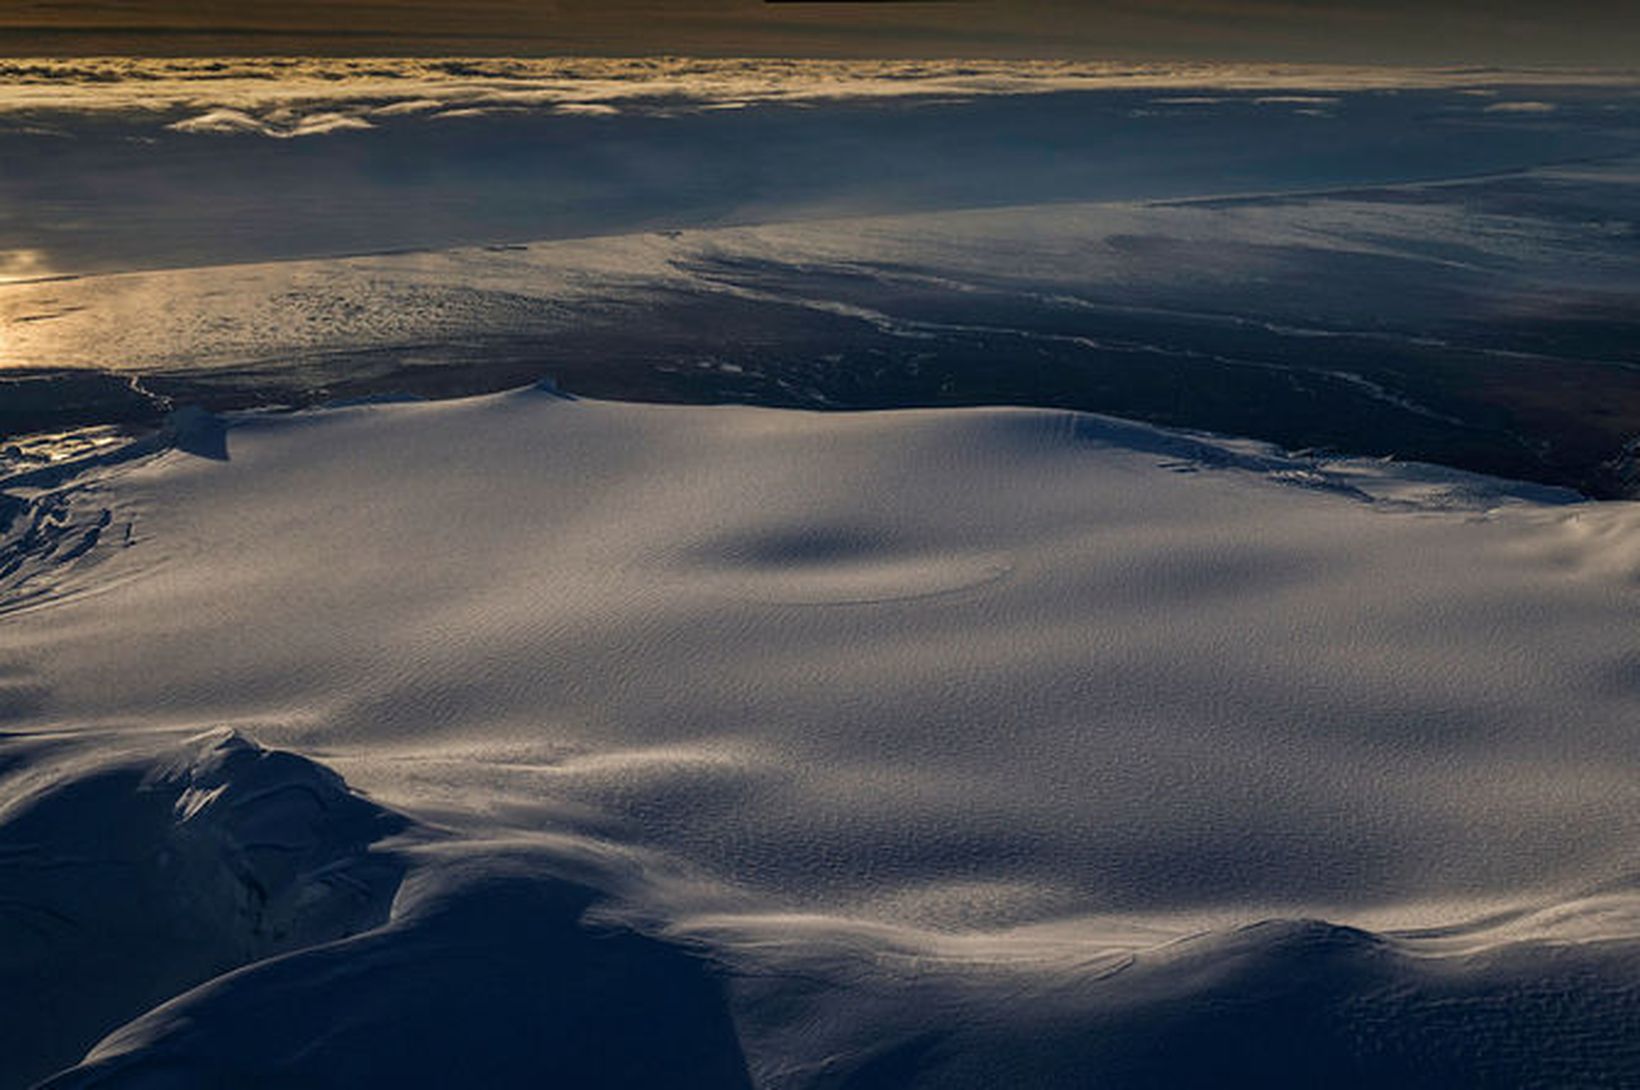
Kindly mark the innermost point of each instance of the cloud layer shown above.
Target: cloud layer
(286, 97)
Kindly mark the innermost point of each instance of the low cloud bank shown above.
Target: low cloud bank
(296, 97)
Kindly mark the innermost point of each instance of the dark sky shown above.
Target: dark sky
(1568, 32)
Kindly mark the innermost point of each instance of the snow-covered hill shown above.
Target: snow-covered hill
(728, 746)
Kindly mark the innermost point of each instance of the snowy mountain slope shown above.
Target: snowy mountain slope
(708, 745)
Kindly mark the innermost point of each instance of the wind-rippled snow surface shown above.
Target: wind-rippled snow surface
(740, 747)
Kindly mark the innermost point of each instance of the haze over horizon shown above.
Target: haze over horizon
(1511, 32)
